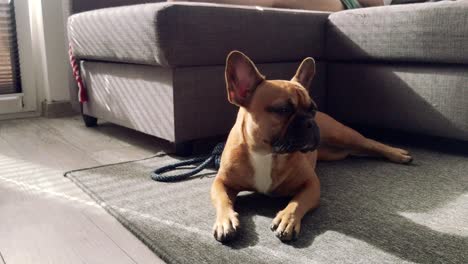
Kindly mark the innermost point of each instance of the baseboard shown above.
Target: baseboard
(19, 115)
(57, 109)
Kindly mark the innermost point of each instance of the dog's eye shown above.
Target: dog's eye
(284, 110)
(281, 110)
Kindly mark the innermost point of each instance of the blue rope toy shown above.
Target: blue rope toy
(212, 160)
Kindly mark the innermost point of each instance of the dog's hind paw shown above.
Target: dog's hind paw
(399, 156)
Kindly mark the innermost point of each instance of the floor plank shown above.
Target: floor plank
(43, 145)
(112, 227)
(45, 217)
(48, 228)
(6, 149)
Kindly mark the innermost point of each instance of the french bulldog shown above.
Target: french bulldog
(278, 136)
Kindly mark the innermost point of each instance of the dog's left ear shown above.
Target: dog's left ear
(305, 73)
(242, 77)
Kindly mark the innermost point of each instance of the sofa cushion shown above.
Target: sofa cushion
(179, 104)
(185, 34)
(78, 6)
(430, 100)
(428, 32)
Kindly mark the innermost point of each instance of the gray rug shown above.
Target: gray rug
(371, 211)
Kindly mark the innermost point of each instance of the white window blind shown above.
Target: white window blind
(9, 62)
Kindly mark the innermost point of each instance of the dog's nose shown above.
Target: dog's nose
(309, 124)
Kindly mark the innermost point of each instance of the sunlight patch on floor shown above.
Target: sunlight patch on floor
(451, 219)
(339, 245)
(35, 179)
(29, 177)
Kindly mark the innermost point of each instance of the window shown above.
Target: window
(9, 62)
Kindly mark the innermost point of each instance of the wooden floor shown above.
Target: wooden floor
(44, 217)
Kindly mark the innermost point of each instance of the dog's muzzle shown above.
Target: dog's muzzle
(303, 135)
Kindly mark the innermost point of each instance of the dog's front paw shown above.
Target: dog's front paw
(226, 225)
(286, 226)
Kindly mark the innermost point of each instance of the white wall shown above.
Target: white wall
(26, 55)
(39, 61)
(50, 50)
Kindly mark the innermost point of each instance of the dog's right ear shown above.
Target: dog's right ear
(305, 73)
(242, 77)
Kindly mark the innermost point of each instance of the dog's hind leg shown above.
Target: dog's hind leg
(329, 153)
(335, 134)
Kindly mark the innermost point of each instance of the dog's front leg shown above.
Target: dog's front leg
(287, 223)
(223, 198)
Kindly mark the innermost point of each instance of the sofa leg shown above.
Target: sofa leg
(89, 120)
(183, 149)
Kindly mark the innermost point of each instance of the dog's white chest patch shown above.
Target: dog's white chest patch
(261, 164)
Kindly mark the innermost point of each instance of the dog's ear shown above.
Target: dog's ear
(242, 77)
(305, 73)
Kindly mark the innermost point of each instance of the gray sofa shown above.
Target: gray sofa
(158, 67)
